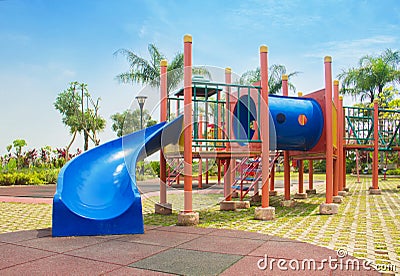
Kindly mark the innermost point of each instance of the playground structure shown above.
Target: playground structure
(240, 138)
(255, 124)
(245, 134)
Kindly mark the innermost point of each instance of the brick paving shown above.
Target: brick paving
(367, 226)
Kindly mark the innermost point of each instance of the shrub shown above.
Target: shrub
(155, 166)
(29, 177)
(393, 172)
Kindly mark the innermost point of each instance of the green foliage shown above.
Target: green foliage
(80, 113)
(29, 177)
(393, 172)
(129, 121)
(274, 80)
(372, 75)
(144, 71)
(155, 166)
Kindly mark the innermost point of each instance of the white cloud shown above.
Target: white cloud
(348, 52)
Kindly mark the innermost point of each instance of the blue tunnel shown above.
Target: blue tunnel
(296, 123)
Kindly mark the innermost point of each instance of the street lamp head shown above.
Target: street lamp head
(141, 99)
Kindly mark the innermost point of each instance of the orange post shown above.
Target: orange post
(228, 179)
(200, 177)
(301, 165)
(272, 182)
(163, 118)
(310, 174)
(286, 157)
(328, 129)
(264, 126)
(336, 167)
(342, 172)
(187, 132)
(301, 177)
(375, 159)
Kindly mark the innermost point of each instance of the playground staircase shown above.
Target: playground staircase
(174, 169)
(250, 173)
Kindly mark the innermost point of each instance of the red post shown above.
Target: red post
(336, 167)
(328, 129)
(286, 157)
(272, 182)
(301, 177)
(187, 94)
(264, 126)
(357, 166)
(228, 179)
(200, 177)
(310, 174)
(342, 173)
(163, 118)
(301, 165)
(375, 160)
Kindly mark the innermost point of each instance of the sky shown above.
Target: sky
(45, 44)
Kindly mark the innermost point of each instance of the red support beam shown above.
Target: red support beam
(264, 126)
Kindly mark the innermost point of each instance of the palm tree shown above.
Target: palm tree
(144, 71)
(274, 80)
(369, 79)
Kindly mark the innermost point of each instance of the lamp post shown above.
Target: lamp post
(141, 100)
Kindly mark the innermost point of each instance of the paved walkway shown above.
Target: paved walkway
(165, 251)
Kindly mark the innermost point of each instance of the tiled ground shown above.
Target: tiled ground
(367, 226)
(202, 252)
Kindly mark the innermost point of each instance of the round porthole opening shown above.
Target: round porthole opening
(302, 119)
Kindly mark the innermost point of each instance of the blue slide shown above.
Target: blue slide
(96, 191)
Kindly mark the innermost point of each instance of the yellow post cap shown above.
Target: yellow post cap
(187, 38)
(376, 100)
(300, 94)
(335, 82)
(285, 77)
(263, 49)
(340, 98)
(228, 70)
(328, 59)
(163, 62)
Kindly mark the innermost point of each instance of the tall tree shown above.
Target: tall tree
(275, 72)
(372, 75)
(144, 71)
(80, 112)
(129, 121)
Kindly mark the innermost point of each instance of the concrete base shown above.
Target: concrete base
(342, 193)
(242, 204)
(288, 203)
(300, 196)
(188, 219)
(163, 208)
(346, 189)
(372, 188)
(267, 213)
(227, 206)
(337, 199)
(255, 198)
(311, 191)
(273, 193)
(328, 208)
(375, 191)
(235, 194)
